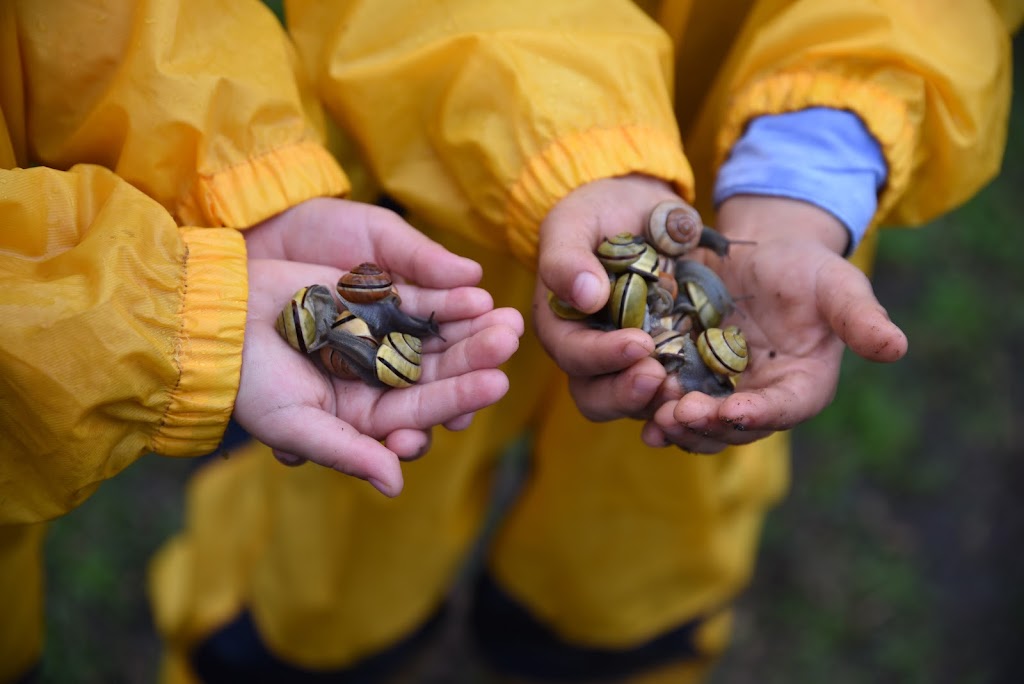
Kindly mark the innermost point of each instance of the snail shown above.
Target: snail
(675, 228)
(350, 323)
(694, 374)
(398, 359)
(702, 293)
(627, 305)
(395, 362)
(724, 350)
(305, 318)
(350, 356)
(618, 252)
(365, 284)
(368, 292)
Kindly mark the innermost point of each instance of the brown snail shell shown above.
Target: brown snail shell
(674, 228)
(723, 350)
(350, 356)
(618, 252)
(365, 284)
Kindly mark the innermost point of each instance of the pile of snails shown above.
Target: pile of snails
(680, 302)
(367, 337)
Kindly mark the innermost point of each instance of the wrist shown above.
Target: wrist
(763, 219)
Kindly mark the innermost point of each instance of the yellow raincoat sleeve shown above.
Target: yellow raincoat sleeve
(198, 103)
(122, 334)
(486, 114)
(930, 79)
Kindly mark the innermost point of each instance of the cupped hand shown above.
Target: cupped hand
(286, 401)
(611, 374)
(800, 304)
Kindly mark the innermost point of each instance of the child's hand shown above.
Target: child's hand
(611, 374)
(801, 302)
(285, 401)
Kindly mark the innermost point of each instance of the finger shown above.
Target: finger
(455, 331)
(625, 394)
(312, 434)
(343, 233)
(425, 405)
(582, 351)
(290, 460)
(446, 305)
(460, 423)
(488, 348)
(409, 445)
(849, 304)
(708, 437)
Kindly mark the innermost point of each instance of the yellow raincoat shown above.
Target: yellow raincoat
(121, 125)
(477, 117)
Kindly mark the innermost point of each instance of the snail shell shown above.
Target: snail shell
(646, 265)
(398, 360)
(694, 375)
(618, 252)
(305, 318)
(702, 293)
(565, 310)
(668, 349)
(352, 324)
(724, 351)
(674, 228)
(364, 284)
(628, 302)
(660, 301)
(350, 356)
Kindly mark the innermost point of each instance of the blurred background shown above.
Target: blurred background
(898, 556)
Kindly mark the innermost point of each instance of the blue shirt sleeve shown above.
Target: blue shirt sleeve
(819, 155)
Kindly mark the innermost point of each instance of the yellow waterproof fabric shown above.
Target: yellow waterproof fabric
(478, 117)
(123, 125)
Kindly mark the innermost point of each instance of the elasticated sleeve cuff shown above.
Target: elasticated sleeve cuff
(574, 160)
(209, 347)
(247, 193)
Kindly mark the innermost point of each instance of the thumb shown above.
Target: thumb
(857, 317)
(566, 263)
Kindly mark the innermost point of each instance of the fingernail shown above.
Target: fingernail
(585, 291)
(644, 385)
(380, 486)
(634, 351)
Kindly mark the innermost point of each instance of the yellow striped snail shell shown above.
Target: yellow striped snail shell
(305, 318)
(646, 264)
(398, 360)
(618, 252)
(702, 293)
(668, 349)
(352, 324)
(723, 350)
(564, 309)
(627, 305)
